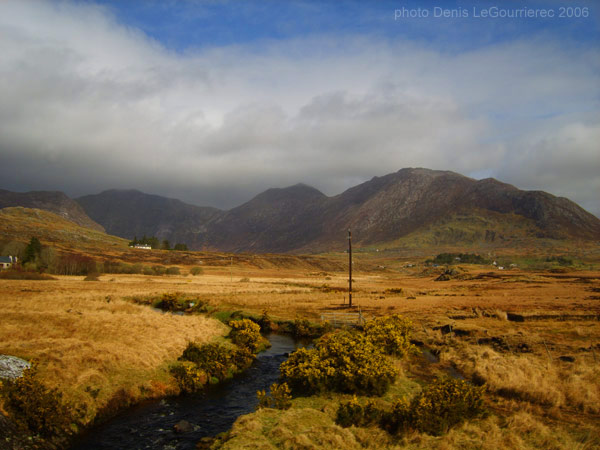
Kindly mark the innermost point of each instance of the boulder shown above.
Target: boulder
(12, 367)
(183, 426)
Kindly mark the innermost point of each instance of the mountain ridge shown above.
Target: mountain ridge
(300, 218)
(54, 201)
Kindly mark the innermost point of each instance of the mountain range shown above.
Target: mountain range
(428, 206)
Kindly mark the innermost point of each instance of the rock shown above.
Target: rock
(183, 426)
(12, 367)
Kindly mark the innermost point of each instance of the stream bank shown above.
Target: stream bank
(153, 425)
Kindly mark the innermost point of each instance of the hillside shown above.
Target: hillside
(21, 224)
(53, 201)
(130, 213)
(380, 211)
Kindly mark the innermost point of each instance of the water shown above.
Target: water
(150, 426)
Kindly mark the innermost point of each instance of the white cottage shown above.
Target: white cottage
(6, 262)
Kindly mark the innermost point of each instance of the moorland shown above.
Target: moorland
(528, 333)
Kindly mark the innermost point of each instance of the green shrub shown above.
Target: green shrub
(457, 258)
(246, 333)
(173, 271)
(17, 274)
(39, 409)
(443, 404)
(196, 270)
(158, 270)
(266, 324)
(280, 397)
(169, 301)
(147, 271)
(354, 413)
(391, 334)
(344, 362)
(302, 328)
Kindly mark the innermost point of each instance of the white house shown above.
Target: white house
(6, 262)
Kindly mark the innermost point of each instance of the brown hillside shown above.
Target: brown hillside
(53, 201)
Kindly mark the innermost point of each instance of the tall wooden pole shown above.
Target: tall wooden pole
(349, 269)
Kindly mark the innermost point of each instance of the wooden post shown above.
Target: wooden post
(349, 269)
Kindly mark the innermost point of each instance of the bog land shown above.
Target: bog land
(530, 335)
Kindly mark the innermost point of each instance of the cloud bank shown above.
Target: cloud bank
(89, 103)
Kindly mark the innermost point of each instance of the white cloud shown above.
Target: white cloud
(90, 104)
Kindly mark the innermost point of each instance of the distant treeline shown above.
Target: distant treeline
(155, 243)
(39, 258)
(458, 258)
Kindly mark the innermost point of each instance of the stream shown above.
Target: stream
(150, 425)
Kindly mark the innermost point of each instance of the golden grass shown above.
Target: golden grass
(521, 430)
(89, 339)
(91, 345)
(532, 378)
(305, 427)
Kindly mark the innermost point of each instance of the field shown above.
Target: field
(530, 335)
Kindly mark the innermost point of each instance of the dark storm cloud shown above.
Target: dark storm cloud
(88, 104)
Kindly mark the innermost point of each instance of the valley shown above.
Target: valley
(532, 335)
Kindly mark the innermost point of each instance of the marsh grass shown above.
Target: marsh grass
(107, 352)
(97, 350)
(532, 378)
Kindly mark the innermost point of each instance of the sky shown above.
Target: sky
(214, 101)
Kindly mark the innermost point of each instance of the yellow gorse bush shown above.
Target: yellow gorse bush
(343, 361)
(246, 333)
(280, 398)
(201, 364)
(391, 334)
(441, 405)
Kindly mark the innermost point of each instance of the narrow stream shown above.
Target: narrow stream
(150, 426)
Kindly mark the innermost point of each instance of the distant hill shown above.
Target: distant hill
(130, 213)
(53, 201)
(21, 224)
(417, 205)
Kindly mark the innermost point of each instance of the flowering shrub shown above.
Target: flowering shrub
(209, 363)
(189, 377)
(246, 333)
(391, 334)
(354, 413)
(443, 404)
(344, 361)
(280, 397)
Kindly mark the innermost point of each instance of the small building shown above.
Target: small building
(143, 246)
(6, 262)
